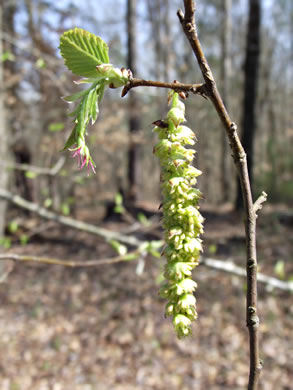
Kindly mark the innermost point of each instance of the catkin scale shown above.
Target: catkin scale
(182, 221)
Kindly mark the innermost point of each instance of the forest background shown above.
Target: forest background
(33, 128)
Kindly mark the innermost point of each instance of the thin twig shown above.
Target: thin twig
(38, 170)
(67, 221)
(220, 265)
(176, 86)
(189, 27)
(69, 263)
(258, 203)
(230, 267)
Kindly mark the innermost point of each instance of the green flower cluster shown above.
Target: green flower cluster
(182, 221)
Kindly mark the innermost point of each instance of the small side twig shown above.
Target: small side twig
(258, 203)
(38, 170)
(176, 86)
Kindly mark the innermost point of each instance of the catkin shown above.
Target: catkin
(182, 222)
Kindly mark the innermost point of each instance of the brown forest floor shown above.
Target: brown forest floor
(103, 328)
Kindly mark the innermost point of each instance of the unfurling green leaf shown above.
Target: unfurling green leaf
(87, 55)
(83, 51)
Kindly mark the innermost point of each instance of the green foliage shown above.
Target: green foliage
(40, 63)
(7, 56)
(118, 247)
(119, 208)
(24, 238)
(65, 208)
(143, 219)
(86, 55)
(83, 51)
(5, 242)
(31, 175)
(56, 126)
(212, 249)
(280, 269)
(87, 109)
(48, 202)
(13, 226)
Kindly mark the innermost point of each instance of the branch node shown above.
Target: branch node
(258, 203)
(190, 27)
(125, 90)
(233, 127)
(251, 263)
(180, 15)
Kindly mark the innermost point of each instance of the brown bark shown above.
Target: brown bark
(239, 156)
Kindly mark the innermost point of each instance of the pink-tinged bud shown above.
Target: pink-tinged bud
(84, 158)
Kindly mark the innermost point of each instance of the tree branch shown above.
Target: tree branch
(230, 267)
(224, 266)
(68, 263)
(67, 221)
(176, 86)
(38, 170)
(189, 27)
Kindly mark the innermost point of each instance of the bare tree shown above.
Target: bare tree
(3, 129)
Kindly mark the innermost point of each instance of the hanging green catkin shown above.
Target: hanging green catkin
(182, 221)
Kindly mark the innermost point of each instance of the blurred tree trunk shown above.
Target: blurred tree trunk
(155, 16)
(251, 72)
(3, 147)
(3, 132)
(134, 171)
(226, 76)
(168, 57)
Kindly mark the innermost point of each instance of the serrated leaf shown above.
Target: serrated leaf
(83, 51)
(101, 92)
(76, 110)
(93, 106)
(86, 80)
(75, 96)
(70, 140)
